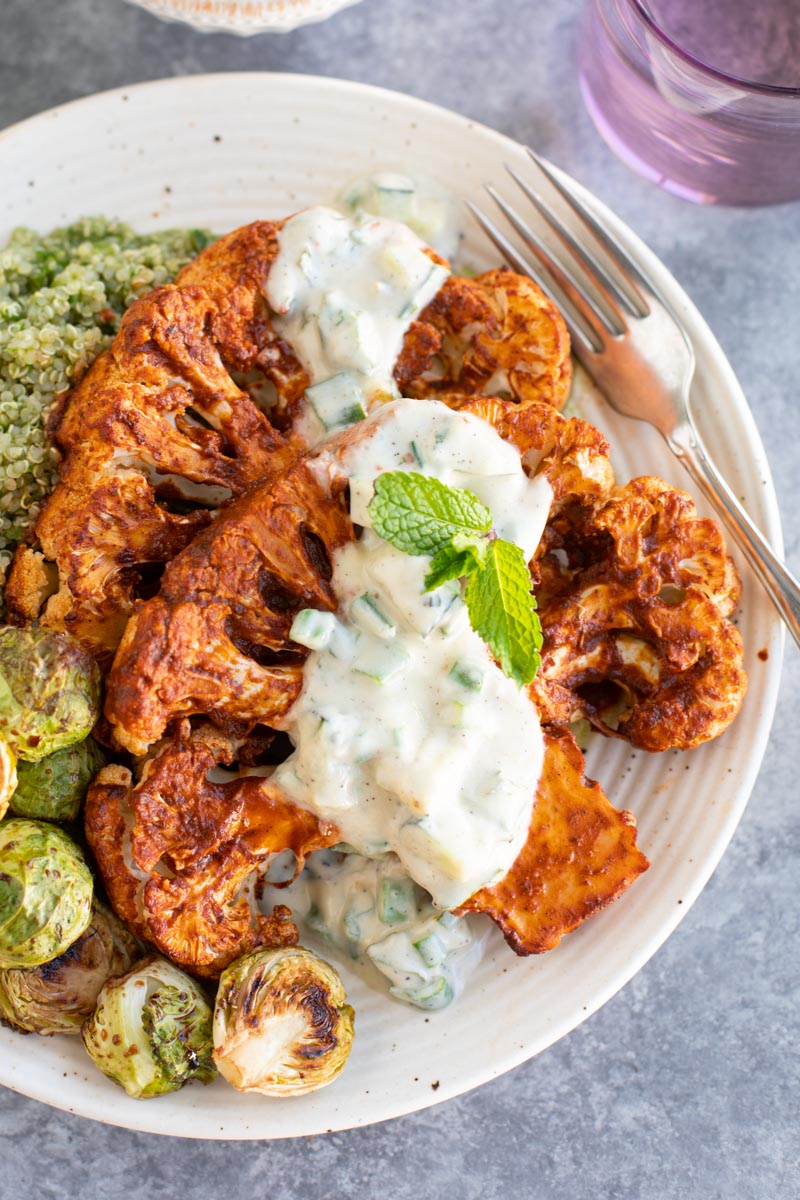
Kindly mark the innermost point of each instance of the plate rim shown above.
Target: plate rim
(298, 14)
(191, 1125)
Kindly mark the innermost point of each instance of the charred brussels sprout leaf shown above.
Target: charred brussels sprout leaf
(53, 788)
(49, 691)
(45, 893)
(168, 1014)
(58, 996)
(281, 1024)
(151, 1030)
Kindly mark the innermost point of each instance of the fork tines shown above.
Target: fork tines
(597, 290)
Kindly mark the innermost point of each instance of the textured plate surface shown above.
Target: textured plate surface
(244, 17)
(223, 150)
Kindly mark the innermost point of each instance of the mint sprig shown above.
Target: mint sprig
(502, 610)
(421, 515)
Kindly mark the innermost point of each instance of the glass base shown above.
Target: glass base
(708, 144)
(628, 155)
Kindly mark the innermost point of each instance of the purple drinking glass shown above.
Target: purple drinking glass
(700, 96)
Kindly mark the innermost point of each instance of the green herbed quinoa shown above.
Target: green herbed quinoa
(61, 297)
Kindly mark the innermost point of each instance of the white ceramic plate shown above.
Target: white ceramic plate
(244, 17)
(223, 150)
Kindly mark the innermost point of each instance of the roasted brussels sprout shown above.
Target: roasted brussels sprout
(281, 1025)
(49, 691)
(45, 893)
(151, 1030)
(8, 775)
(53, 788)
(58, 996)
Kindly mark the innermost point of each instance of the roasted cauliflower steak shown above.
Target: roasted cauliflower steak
(154, 438)
(637, 637)
(580, 854)
(191, 523)
(194, 401)
(215, 640)
(495, 335)
(182, 850)
(214, 646)
(634, 591)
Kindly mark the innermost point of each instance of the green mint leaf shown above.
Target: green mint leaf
(420, 515)
(449, 563)
(459, 557)
(502, 610)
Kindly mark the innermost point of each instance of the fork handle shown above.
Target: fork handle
(779, 584)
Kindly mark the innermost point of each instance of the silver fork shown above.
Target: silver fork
(635, 348)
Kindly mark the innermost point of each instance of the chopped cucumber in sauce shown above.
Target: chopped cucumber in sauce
(380, 662)
(344, 291)
(421, 203)
(431, 950)
(407, 733)
(337, 401)
(313, 629)
(371, 912)
(371, 617)
(397, 902)
(468, 675)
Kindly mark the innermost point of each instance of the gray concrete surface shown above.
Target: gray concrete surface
(684, 1087)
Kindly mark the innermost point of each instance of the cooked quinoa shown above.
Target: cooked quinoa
(61, 297)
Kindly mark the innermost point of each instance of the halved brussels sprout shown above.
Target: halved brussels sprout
(52, 788)
(49, 691)
(45, 893)
(151, 1030)
(58, 996)
(281, 1024)
(8, 775)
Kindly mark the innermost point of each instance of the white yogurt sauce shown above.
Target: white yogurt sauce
(345, 291)
(406, 733)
